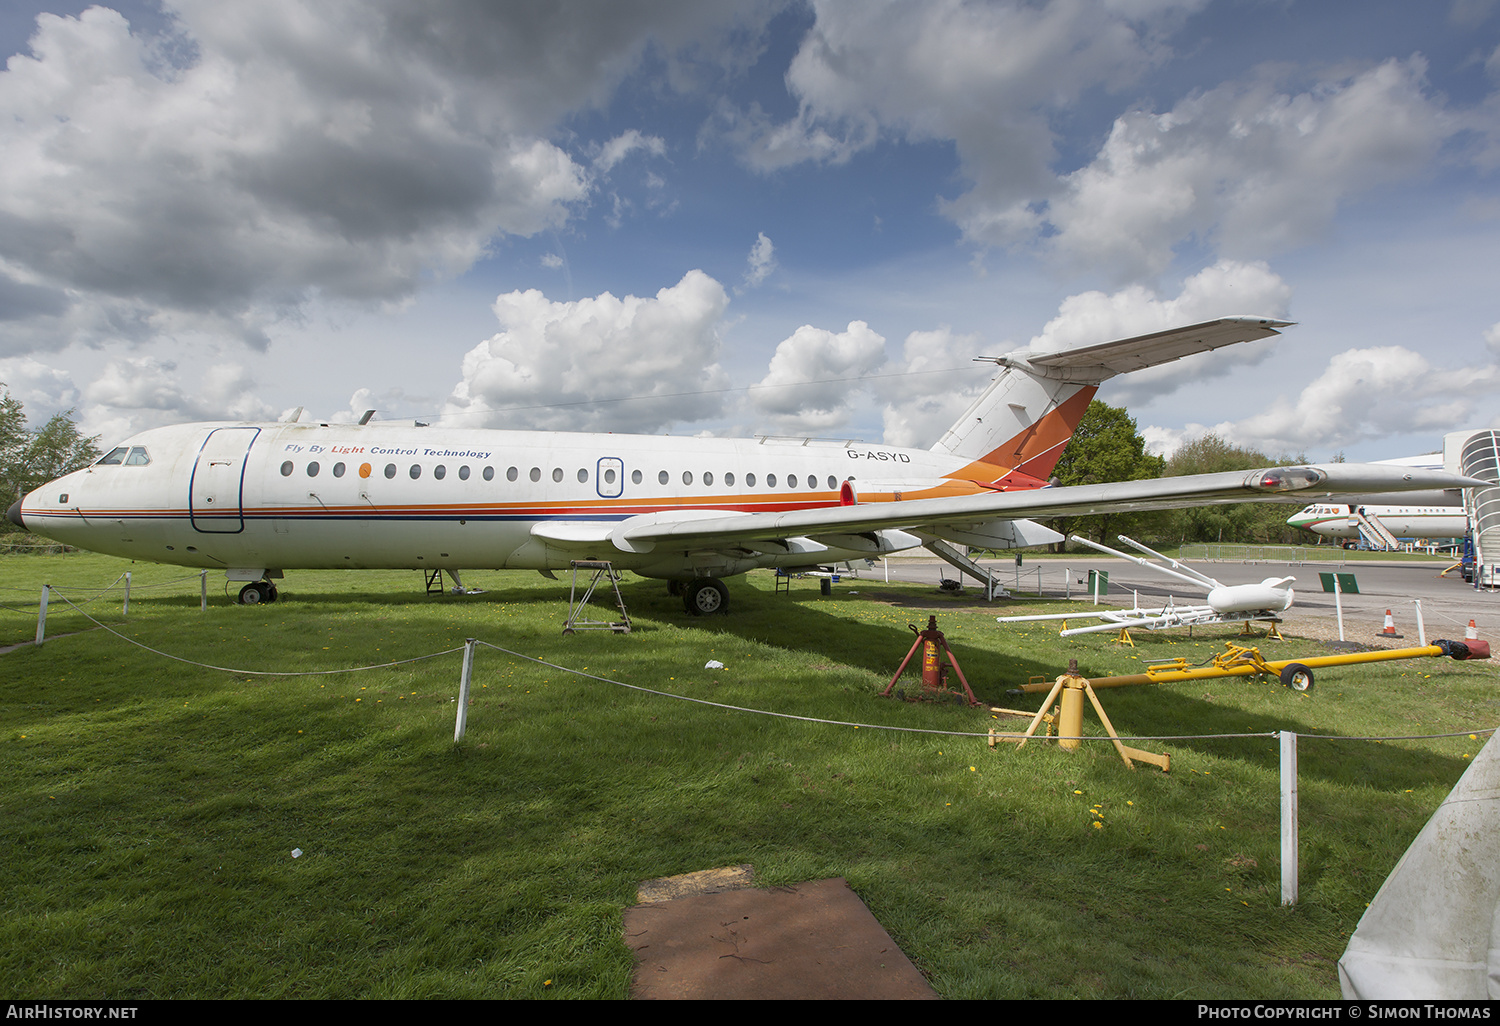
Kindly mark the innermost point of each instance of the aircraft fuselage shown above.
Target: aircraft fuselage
(256, 497)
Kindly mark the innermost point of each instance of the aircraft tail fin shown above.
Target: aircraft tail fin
(1032, 407)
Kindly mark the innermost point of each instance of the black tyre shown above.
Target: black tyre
(1297, 677)
(705, 596)
(253, 594)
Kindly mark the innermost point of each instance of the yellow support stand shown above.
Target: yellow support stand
(1072, 689)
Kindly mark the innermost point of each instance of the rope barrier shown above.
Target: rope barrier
(744, 709)
(254, 673)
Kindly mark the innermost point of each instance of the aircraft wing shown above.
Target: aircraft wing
(705, 528)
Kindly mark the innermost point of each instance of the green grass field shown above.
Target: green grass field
(149, 808)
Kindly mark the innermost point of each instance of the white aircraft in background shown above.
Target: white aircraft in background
(1414, 515)
(256, 500)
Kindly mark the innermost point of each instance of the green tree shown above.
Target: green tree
(1106, 447)
(32, 458)
(14, 441)
(1249, 522)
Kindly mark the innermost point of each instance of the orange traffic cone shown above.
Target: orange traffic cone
(1389, 631)
(1471, 633)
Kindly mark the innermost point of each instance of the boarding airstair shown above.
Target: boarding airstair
(1375, 534)
(951, 555)
(1480, 458)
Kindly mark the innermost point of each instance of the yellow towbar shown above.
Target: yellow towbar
(1297, 674)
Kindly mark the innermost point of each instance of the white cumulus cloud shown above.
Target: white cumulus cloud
(812, 381)
(557, 359)
(762, 261)
(214, 179)
(1253, 168)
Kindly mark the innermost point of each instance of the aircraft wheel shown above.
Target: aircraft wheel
(271, 593)
(705, 596)
(254, 594)
(1297, 677)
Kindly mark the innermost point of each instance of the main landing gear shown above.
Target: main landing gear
(704, 596)
(255, 594)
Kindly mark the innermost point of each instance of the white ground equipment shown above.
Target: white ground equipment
(1232, 603)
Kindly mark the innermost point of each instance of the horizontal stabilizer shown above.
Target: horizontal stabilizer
(1093, 364)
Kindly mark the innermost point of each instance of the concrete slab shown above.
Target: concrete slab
(814, 940)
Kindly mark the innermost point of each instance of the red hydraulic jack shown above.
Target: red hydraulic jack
(934, 675)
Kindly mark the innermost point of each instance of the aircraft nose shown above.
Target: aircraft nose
(14, 514)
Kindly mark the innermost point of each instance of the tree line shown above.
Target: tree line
(29, 458)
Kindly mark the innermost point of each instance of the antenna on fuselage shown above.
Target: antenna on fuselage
(366, 418)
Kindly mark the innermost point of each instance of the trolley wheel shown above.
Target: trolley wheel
(1297, 677)
(706, 595)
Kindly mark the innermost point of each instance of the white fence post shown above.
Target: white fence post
(461, 721)
(1288, 818)
(125, 609)
(203, 591)
(1338, 604)
(41, 616)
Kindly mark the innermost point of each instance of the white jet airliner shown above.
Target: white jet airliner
(255, 500)
(1412, 515)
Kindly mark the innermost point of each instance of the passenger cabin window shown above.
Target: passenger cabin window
(338, 470)
(661, 478)
(791, 480)
(439, 471)
(415, 471)
(463, 473)
(770, 480)
(749, 480)
(312, 469)
(708, 477)
(557, 474)
(390, 470)
(510, 475)
(536, 473)
(687, 477)
(635, 477)
(583, 476)
(729, 480)
(489, 473)
(286, 468)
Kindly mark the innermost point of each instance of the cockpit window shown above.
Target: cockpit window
(130, 456)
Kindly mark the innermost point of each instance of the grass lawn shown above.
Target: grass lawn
(149, 807)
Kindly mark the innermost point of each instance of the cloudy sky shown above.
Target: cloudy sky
(742, 217)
